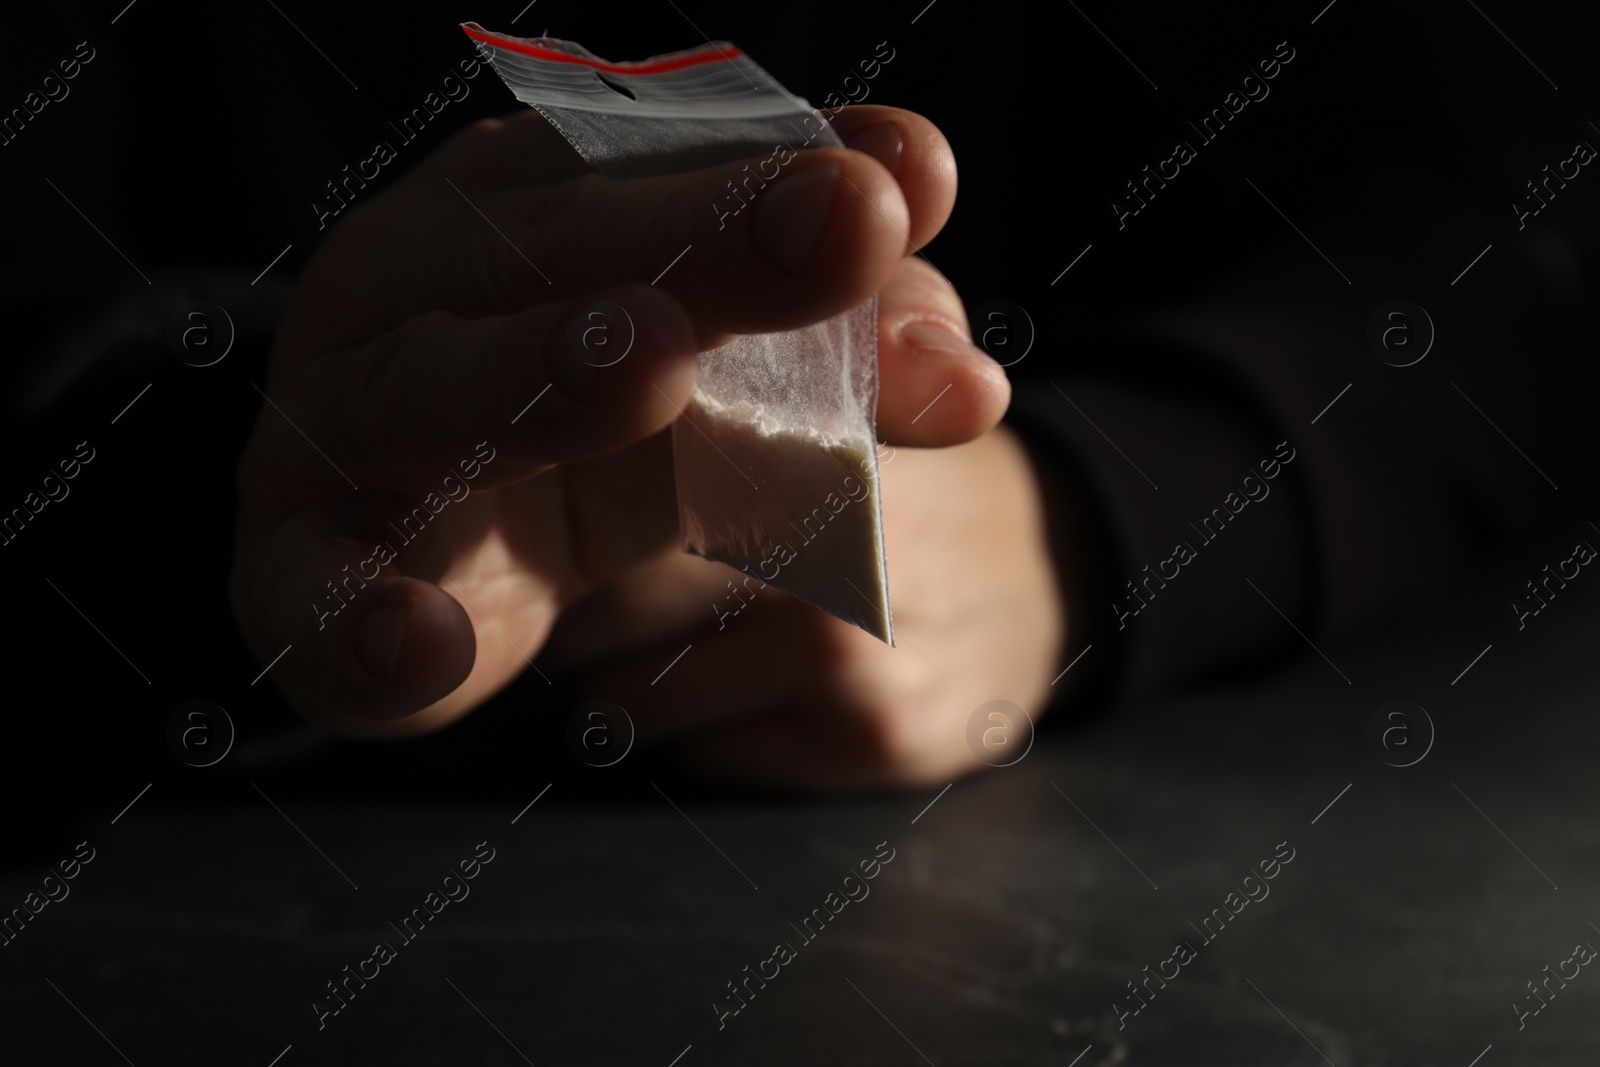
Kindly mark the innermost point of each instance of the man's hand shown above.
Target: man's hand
(434, 314)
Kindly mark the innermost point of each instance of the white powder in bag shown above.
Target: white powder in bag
(796, 508)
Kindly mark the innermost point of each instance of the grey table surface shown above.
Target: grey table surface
(1006, 929)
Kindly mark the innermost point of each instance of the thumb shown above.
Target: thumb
(361, 648)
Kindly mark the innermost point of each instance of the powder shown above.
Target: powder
(796, 508)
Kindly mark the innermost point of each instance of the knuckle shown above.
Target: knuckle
(551, 236)
(374, 405)
(673, 221)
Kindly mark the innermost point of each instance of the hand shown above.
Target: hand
(433, 314)
(781, 695)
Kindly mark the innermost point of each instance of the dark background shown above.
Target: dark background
(198, 137)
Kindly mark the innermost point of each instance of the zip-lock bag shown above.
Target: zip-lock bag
(775, 457)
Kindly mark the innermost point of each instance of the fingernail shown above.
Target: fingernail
(932, 335)
(379, 640)
(791, 216)
(883, 142)
(563, 357)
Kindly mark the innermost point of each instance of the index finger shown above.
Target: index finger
(761, 244)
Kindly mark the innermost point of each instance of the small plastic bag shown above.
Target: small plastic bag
(775, 457)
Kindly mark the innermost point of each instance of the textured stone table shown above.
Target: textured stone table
(1006, 928)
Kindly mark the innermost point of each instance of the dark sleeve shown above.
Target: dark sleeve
(1267, 482)
(1182, 346)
